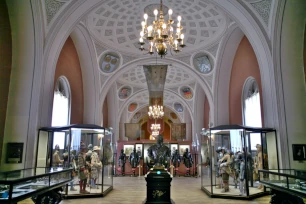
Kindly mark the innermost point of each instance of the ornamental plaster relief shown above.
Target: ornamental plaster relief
(52, 7)
(263, 8)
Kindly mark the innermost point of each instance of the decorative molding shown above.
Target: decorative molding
(263, 8)
(209, 80)
(136, 89)
(127, 59)
(185, 59)
(120, 104)
(118, 85)
(213, 50)
(175, 90)
(103, 79)
(191, 105)
(99, 49)
(52, 7)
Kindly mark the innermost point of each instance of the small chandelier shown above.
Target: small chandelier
(161, 34)
(156, 111)
(155, 128)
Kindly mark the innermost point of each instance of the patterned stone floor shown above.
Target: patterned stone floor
(132, 190)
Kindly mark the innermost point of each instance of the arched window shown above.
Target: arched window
(61, 109)
(251, 108)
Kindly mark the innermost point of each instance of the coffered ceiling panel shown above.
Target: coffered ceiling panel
(117, 24)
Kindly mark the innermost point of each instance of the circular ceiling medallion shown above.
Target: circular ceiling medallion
(178, 107)
(124, 92)
(132, 107)
(202, 63)
(173, 115)
(137, 116)
(109, 62)
(186, 92)
(150, 9)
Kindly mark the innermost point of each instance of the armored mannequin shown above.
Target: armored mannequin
(187, 160)
(121, 161)
(73, 165)
(83, 168)
(219, 156)
(261, 162)
(96, 165)
(134, 159)
(65, 157)
(176, 159)
(159, 152)
(225, 162)
(56, 161)
(88, 160)
(240, 166)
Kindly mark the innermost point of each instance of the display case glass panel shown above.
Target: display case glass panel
(107, 160)
(88, 149)
(236, 154)
(206, 178)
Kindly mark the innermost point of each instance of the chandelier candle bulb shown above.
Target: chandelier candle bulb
(155, 13)
(170, 14)
(179, 18)
(145, 16)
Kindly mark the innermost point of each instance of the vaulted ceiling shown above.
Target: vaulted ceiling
(114, 28)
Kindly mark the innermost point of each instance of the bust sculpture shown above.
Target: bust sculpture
(159, 152)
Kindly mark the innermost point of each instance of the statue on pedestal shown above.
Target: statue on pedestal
(159, 153)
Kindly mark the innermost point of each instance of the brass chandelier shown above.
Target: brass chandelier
(160, 34)
(155, 128)
(156, 111)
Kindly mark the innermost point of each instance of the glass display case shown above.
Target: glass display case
(88, 149)
(286, 184)
(21, 184)
(231, 156)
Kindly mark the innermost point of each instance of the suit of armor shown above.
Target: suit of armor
(187, 159)
(225, 169)
(134, 159)
(176, 159)
(240, 166)
(122, 161)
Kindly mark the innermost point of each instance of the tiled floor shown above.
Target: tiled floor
(128, 190)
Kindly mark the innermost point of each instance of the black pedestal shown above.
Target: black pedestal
(158, 187)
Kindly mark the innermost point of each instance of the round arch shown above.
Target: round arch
(54, 43)
(111, 80)
(90, 75)
(223, 67)
(262, 51)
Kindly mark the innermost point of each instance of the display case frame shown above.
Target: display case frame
(286, 184)
(31, 182)
(224, 136)
(79, 139)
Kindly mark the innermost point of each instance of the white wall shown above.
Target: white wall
(292, 73)
(19, 99)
